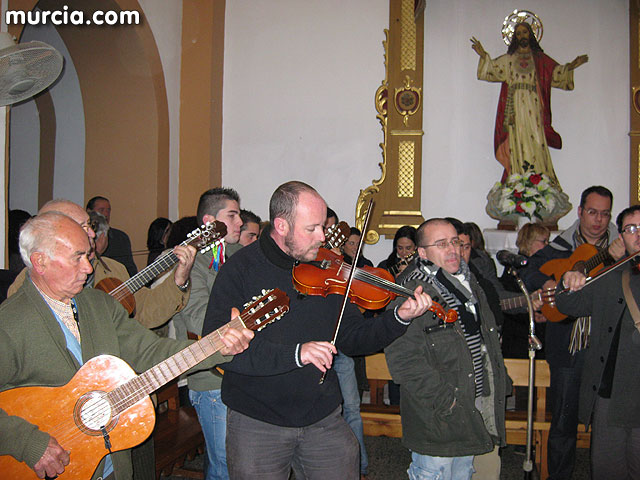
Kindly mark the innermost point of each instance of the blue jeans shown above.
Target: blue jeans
(424, 467)
(323, 450)
(343, 366)
(212, 414)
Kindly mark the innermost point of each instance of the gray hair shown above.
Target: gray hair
(38, 234)
(99, 223)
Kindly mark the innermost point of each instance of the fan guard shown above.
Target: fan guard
(26, 69)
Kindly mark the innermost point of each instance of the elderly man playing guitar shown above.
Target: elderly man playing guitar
(51, 327)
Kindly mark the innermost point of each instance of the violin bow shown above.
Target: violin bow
(345, 299)
(604, 271)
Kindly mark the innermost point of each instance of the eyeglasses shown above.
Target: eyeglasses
(592, 212)
(631, 229)
(442, 244)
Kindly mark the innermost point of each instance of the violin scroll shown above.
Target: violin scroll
(448, 316)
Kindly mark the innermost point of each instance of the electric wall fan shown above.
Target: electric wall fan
(26, 68)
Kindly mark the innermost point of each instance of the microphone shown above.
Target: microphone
(509, 259)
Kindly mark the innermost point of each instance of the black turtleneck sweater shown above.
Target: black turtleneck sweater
(265, 382)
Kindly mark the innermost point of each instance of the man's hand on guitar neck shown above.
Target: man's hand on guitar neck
(53, 460)
(186, 257)
(235, 341)
(617, 249)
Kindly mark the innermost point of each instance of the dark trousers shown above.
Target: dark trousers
(615, 451)
(327, 449)
(564, 396)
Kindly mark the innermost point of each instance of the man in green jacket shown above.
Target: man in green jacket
(52, 326)
(452, 376)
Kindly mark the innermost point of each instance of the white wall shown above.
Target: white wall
(165, 21)
(299, 83)
(68, 180)
(300, 78)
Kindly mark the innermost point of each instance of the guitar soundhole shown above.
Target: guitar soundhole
(92, 412)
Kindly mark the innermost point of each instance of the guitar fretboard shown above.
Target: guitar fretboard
(139, 387)
(596, 260)
(161, 264)
(513, 303)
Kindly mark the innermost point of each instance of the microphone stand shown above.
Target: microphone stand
(534, 345)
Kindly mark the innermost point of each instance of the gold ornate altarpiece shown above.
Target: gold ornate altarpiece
(634, 72)
(398, 101)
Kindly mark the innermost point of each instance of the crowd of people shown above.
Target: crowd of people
(289, 398)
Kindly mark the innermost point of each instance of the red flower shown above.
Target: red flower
(519, 207)
(517, 194)
(535, 179)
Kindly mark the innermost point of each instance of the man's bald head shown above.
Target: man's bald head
(72, 210)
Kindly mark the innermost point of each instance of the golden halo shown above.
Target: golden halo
(519, 16)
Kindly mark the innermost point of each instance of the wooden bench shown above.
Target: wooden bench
(379, 419)
(516, 420)
(177, 435)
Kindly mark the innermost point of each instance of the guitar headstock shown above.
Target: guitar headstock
(336, 235)
(204, 237)
(263, 310)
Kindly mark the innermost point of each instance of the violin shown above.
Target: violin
(372, 288)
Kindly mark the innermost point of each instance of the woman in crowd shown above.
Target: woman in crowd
(157, 237)
(404, 244)
(515, 332)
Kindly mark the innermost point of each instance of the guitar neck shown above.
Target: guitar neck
(596, 260)
(139, 387)
(517, 302)
(149, 273)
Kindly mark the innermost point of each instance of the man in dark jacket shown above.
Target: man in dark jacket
(610, 391)
(279, 415)
(592, 227)
(452, 376)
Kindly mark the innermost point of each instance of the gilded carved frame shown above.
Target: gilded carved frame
(398, 102)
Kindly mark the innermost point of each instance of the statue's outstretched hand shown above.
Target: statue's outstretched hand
(579, 60)
(477, 47)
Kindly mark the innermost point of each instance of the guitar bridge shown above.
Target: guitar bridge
(107, 440)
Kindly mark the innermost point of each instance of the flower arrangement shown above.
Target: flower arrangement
(530, 195)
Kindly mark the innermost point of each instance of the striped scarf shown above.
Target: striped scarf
(456, 296)
(582, 326)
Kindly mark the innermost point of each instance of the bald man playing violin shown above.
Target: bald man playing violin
(610, 384)
(280, 417)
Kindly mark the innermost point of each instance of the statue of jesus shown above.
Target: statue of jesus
(523, 130)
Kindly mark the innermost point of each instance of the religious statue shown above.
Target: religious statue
(523, 130)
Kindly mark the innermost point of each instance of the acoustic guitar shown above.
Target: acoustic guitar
(201, 238)
(586, 259)
(106, 407)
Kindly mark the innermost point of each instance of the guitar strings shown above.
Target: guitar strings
(68, 432)
(167, 260)
(65, 432)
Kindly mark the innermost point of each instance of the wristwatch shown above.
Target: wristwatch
(185, 287)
